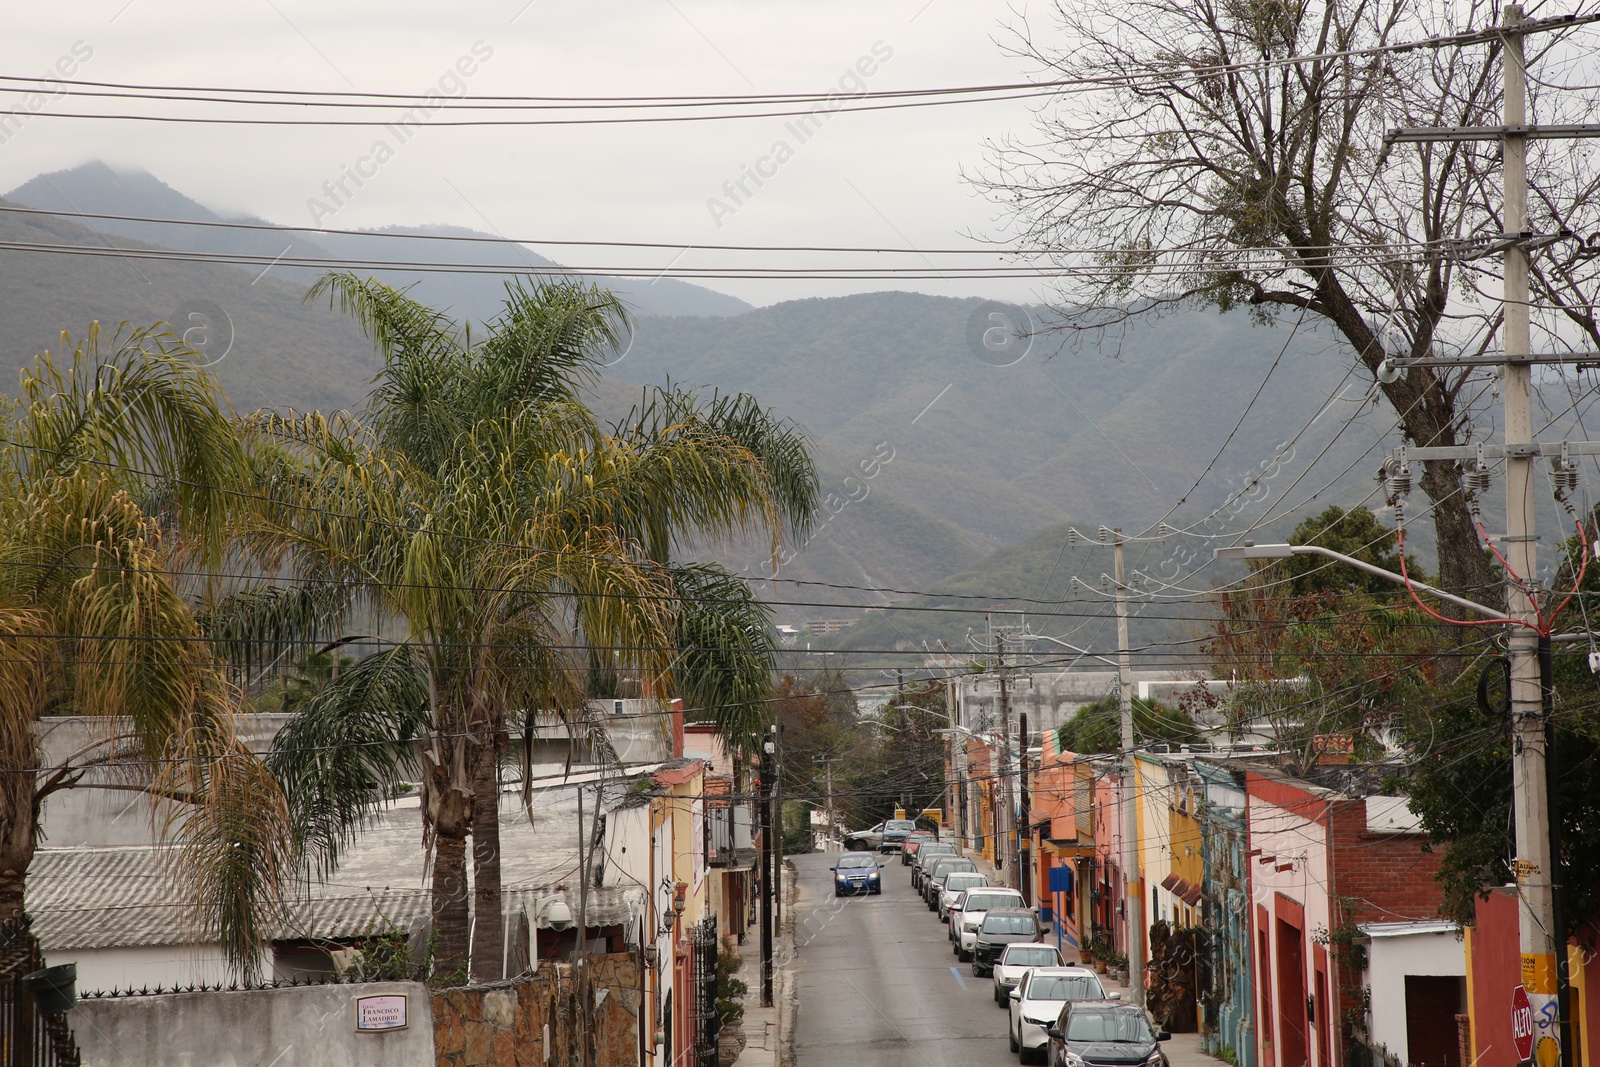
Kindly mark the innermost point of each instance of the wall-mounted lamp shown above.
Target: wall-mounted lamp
(558, 915)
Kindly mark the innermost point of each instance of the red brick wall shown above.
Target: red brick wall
(1374, 878)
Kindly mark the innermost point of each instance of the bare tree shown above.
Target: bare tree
(1228, 153)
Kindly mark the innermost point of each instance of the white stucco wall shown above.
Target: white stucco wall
(1299, 842)
(1155, 839)
(1390, 958)
(309, 1026)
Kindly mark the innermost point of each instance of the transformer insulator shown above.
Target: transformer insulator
(1564, 475)
(1400, 481)
(1475, 480)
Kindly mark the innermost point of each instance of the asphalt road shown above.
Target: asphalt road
(875, 982)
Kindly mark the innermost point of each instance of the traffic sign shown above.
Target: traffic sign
(1522, 1024)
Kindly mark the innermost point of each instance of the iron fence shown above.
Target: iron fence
(28, 1037)
(707, 1024)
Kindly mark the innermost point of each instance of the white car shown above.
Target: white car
(964, 924)
(954, 886)
(1017, 960)
(1036, 1005)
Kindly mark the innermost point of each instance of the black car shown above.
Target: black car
(1105, 1033)
(926, 855)
(1002, 926)
(933, 884)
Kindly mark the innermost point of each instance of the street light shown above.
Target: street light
(1251, 550)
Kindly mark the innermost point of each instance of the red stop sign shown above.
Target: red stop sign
(1522, 1024)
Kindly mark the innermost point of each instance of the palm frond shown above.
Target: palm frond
(342, 757)
(415, 406)
(146, 414)
(261, 624)
(726, 651)
(552, 338)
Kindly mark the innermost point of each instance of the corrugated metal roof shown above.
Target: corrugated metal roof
(84, 898)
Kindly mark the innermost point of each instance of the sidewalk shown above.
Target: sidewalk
(1184, 1049)
(769, 1031)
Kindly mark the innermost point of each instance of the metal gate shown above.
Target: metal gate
(27, 1037)
(707, 1023)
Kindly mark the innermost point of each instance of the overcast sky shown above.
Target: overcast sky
(890, 177)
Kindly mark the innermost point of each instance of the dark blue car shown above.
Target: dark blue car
(857, 872)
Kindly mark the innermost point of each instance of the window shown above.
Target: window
(1065, 987)
(1109, 1026)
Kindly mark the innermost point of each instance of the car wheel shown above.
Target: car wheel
(963, 956)
(1011, 1039)
(997, 1001)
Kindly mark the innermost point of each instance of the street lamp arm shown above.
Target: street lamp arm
(1249, 551)
(1067, 644)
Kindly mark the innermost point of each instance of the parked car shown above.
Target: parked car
(1105, 1032)
(956, 883)
(915, 840)
(926, 855)
(1001, 927)
(1017, 960)
(1038, 1000)
(857, 872)
(864, 840)
(895, 832)
(964, 923)
(933, 877)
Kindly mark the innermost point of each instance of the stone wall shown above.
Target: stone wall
(530, 1022)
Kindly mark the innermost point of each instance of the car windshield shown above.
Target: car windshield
(954, 867)
(1008, 924)
(963, 880)
(928, 853)
(1065, 987)
(897, 825)
(857, 859)
(985, 901)
(1032, 956)
(1109, 1026)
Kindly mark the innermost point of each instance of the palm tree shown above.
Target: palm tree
(113, 472)
(478, 500)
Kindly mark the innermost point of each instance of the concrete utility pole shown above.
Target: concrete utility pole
(769, 747)
(1535, 866)
(1006, 850)
(1133, 900)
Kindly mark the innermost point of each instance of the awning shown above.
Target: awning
(1178, 887)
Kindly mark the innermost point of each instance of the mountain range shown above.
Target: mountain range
(944, 471)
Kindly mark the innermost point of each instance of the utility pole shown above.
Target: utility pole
(769, 746)
(1543, 940)
(1006, 853)
(1535, 865)
(1024, 850)
(827, 763)
(1133, 899)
